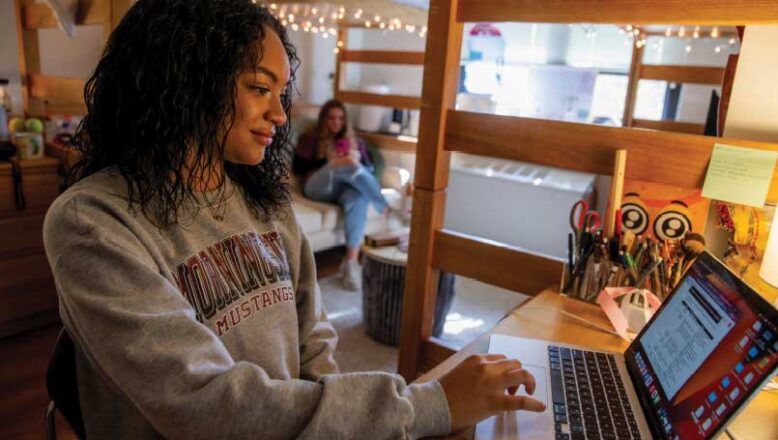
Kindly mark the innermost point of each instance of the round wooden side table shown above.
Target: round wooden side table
(383, 283)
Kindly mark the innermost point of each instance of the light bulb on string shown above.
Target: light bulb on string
(321, 20)
(688, 48)
(714, 33)
(283, 23)
(682, 32)
(368, 23)
(696, 33)
(314, 11)
(629, 28)
(382, 25)
(273, 6)
(668, 31)
(290, 18)
(335, 50)
(295, 27)
(718, 49)
(731, 41)
(340, 43)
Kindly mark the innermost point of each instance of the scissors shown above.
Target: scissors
(583, 219)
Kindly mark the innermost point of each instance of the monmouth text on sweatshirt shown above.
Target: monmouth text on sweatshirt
(211, 328)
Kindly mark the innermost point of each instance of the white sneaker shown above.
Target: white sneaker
(351, 275)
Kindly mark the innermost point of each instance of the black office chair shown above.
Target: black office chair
(62, 387)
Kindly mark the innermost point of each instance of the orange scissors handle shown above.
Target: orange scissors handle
(591, 221)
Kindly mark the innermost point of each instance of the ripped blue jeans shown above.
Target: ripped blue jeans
(352, 187)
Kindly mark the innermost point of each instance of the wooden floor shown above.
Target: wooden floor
(23, 361)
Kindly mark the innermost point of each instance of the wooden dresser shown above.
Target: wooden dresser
(28, 298)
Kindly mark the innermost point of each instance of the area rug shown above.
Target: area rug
(477, 307)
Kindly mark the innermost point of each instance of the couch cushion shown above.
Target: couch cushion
(309, 218)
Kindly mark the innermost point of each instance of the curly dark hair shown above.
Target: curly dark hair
(164, 91)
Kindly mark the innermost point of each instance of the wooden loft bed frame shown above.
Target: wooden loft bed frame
(354, 97)
(581, 147)
(43, 94)
(718, 76)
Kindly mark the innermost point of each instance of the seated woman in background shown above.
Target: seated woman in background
(336, 167)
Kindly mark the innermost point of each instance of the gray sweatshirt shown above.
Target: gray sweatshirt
(213, 328)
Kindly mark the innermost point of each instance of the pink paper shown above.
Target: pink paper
(606, 300)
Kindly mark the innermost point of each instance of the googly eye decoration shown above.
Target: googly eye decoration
(671, 225)
(634, 218)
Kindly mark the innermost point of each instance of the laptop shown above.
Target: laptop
(704, 355)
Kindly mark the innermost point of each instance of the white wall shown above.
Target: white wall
(9, 54)
(59, 55)
(314, 76)
(753, 106)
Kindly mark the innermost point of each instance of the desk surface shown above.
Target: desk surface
(540, 318)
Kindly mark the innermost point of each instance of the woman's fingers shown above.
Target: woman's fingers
(515, 403)
(514, 378)
(492, 357)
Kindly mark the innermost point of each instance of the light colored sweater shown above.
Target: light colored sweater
(213, 328)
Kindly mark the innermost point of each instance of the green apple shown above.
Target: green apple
(34, 125)
(16, 124)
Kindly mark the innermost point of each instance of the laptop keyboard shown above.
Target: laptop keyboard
(589, 397)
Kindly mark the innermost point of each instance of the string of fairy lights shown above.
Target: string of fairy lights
(639, 37)
(323, 20)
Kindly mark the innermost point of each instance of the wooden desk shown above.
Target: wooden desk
(539, 318)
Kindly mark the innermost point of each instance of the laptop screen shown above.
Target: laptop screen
(708, 348)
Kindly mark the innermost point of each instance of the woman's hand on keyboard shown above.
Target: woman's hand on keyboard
(475, 389)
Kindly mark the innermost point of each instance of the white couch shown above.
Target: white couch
(323, 222)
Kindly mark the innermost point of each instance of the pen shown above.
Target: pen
(570, 253)
(631, 265)
(651, 268)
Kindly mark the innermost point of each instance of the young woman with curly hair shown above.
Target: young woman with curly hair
(335, 167)
(184, 280)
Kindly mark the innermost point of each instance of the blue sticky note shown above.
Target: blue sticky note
(725, 382)
(739, 367)
(712, 397)
(752, 352)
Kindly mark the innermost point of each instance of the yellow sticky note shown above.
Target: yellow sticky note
(739, 175)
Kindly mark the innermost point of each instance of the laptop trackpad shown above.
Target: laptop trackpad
(533, 425)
